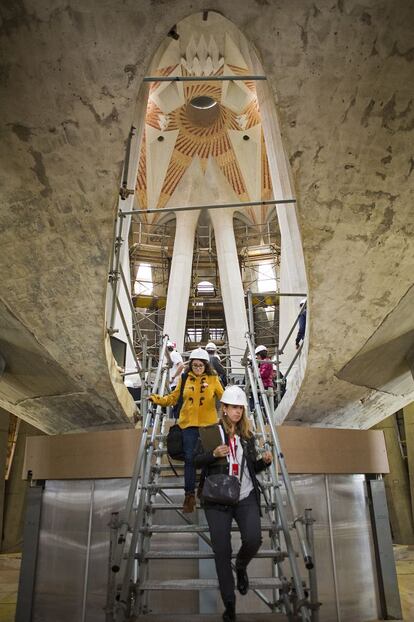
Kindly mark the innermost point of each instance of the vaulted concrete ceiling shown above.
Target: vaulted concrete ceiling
(174, 135)
(70, 78)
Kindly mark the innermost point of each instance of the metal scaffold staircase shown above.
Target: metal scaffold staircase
(141, 539)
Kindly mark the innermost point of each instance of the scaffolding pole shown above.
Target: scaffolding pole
(201, 78)
(213, 206)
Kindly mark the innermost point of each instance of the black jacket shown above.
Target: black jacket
(219, 369)
(211, 465)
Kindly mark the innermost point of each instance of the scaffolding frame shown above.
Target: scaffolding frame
(150, 243)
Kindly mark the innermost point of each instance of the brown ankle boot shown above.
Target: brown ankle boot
(189, 502)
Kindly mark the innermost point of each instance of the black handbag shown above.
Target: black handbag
(175, 434)
(222, 488)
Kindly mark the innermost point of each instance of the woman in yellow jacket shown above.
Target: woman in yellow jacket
(202, 387)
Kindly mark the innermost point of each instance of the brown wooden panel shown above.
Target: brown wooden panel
(112, 454)
(327, 450)
(82, 456)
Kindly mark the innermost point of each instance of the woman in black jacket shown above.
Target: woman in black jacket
(235, 456)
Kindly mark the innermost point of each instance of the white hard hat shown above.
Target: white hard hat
(171, 344)
(234, 395)
(302, 302)
(211, 346)
(200, 354)
(260, 349)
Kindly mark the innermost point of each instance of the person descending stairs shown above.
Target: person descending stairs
(235, 457)
(197, 391)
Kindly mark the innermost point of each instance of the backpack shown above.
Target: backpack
(175, 443)
(175, 433)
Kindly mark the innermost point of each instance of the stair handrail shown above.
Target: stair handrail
(276, 497)
(125, 520)
(281, 349)
(144, 466)
(297, 519)
(278, 455)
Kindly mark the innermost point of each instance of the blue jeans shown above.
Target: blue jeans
(190, 438)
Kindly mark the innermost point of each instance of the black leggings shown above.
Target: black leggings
(247, 515)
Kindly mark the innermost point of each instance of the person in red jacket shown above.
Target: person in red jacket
(265, 366)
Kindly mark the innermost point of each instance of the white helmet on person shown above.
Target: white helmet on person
(234, 395)
(260, 349)
(200, 354)
(302, 302)
(211, 347)
(171, 344)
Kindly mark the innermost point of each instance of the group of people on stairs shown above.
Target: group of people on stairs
(236, 455)
(194, 395)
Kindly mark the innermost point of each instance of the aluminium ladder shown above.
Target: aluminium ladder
(152, 491)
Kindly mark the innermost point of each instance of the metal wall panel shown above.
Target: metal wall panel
(71, 582)
(310, 493)
(62, 551)
(108, 496)
(354, 549)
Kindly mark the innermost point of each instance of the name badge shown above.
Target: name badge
(235, 469)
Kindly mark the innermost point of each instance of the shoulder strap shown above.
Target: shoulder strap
(172, 466)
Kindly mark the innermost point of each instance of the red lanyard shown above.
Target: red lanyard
(233, 449)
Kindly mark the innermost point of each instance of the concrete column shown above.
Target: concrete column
(409, 437)
(231, 284)
(180, 277)
(397, 486)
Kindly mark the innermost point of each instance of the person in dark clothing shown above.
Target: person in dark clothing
(235, 456)
(215, 363)
(302, 324)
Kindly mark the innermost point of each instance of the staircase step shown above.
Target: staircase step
(193, 528)
(163, 452)
(196, 617)
(206, 584)
(163, 437)
(161, 468)
(168, 554)
(175, 483)
(179, 506)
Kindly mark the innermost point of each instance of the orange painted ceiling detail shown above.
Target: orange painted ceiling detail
(194, 140)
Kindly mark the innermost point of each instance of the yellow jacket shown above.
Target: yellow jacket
(199, 400)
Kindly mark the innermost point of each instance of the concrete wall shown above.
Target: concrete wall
(15, 495)
(341, 75)
(397, 486)
(4, 430)
(409, 436)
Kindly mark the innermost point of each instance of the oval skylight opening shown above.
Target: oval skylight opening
(203, 102)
